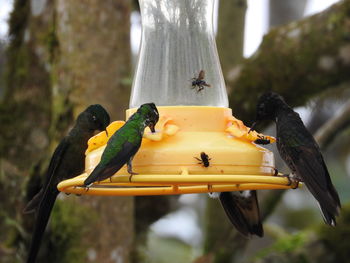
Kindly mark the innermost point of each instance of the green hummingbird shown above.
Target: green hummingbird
(67, 161)
(124, 144)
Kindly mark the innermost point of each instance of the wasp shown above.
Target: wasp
(262, 140)
(199, 82)
(204, 159)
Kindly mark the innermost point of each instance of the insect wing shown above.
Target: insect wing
(201, 75)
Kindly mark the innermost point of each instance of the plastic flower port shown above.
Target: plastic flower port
(239, 130)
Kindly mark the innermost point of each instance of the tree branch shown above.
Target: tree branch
(327, 132)
(298, 60)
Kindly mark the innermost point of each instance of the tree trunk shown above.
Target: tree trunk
(230, 36)
(64, 56)
(25, 114)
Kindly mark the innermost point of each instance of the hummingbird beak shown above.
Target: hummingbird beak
(151, 126)
(252, 127)
(103, 127)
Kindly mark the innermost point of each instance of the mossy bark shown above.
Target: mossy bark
(27, 83)
(298, 60)
(25, 114)
(63, 56)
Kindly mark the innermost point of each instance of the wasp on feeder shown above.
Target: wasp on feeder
(262, 140)
(199, 82)
(204, 160)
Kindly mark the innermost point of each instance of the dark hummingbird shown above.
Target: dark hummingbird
(301, 153)
(67, 161)
(242, 209)
(124, 144)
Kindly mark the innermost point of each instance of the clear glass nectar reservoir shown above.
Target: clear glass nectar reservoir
(177, 43)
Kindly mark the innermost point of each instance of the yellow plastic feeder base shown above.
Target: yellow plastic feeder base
(166, 162)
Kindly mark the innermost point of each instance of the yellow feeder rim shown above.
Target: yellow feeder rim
(155, 184)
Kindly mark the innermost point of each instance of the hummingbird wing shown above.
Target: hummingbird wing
(311, 168)
(303, 156)
(242, 209)
(44, 201)
(55, 161)
(112, 162)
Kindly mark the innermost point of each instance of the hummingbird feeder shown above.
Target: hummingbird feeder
(179, 70)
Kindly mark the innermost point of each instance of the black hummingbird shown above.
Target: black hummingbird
(124, 144)
(67, 161)
(301, 153)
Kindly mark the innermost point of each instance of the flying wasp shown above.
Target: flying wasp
(262, 140)
(204, 160)
(199, 82)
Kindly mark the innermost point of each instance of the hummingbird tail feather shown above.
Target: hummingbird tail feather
(93, 177)
(243, 212)
(318, 181)
(330, 208)
(329, 218)
(328, 202)
(43, 215)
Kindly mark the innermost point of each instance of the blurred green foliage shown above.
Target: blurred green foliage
(316, 244)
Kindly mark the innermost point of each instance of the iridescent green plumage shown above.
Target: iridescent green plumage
(124, 144)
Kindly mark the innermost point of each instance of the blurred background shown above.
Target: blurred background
(57, 57)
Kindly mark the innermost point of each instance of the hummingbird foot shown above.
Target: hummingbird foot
(276, 172)
(210, 189)
(87, 187)
(293, 180)
(131, 174)
(129, 164)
